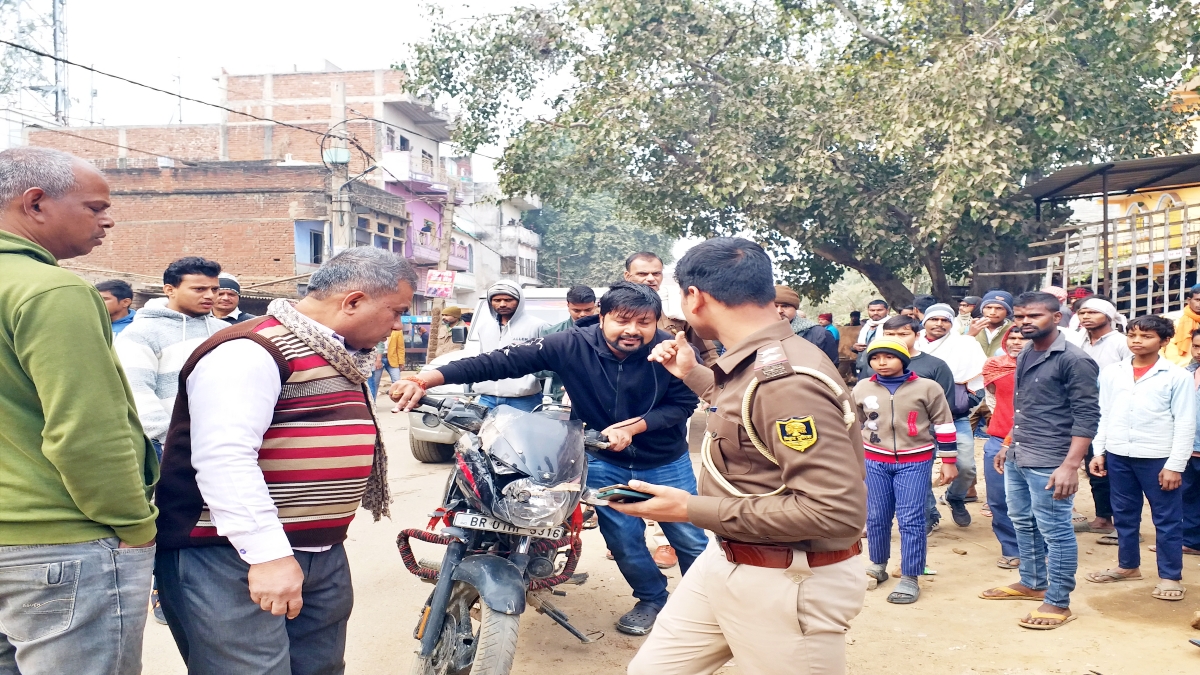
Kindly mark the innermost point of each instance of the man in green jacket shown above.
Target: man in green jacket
(76, 523)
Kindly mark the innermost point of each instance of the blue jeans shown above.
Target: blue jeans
(626, 535)
(897, 489)
(957, 491)
(1002, 525)
(220, 631)
(373, 383)
(1190, 494)
(1129, 478)
(526, 403)
(1045, 537)
(73, 608)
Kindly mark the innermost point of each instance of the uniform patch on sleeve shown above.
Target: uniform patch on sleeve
(771, 363)
(798, 433)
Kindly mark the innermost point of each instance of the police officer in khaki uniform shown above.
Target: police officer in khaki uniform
(782, 487)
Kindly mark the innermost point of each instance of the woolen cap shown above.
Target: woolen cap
(827, 316)
(228, 281)
(1002, 298)
(786, 296)
(887, 345)
(941, 310)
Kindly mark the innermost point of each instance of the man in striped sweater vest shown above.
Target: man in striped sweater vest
(272, 446)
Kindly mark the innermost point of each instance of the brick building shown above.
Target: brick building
(257, 197)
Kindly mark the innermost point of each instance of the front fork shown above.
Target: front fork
(430, 629)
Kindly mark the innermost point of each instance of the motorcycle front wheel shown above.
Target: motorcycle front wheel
(475, 639)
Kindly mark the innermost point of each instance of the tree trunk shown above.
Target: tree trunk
(940, 286)
(889, 285)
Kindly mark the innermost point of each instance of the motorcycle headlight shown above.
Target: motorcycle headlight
(526, 504)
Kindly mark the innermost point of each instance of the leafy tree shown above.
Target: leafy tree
(889, 137)
(590, 241)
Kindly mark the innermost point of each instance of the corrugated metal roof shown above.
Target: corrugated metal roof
(1124, 177)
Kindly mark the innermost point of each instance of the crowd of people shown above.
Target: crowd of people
(215, 459)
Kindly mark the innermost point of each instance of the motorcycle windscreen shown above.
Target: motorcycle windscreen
(549, 451)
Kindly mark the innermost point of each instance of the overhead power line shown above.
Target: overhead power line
(93, 140)
(172, 94)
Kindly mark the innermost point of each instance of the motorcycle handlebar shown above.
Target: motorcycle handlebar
(435, 403)
(595, 440)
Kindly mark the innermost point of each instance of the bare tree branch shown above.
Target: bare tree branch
(858, 24)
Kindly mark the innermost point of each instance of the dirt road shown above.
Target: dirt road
(1121, 630)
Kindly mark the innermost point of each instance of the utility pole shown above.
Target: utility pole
(337, 155)
(435, 319)
(62, 103)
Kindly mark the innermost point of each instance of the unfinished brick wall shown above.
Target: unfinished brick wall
(240, 214)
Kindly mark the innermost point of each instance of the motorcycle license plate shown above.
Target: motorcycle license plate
(475, 521)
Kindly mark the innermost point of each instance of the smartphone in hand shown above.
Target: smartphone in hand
(622, 494)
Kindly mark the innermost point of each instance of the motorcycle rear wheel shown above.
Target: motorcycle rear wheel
(475, 640)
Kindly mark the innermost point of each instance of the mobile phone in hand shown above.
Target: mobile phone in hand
(622, 494)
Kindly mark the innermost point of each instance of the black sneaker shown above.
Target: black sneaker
(932, 525)
(958, 511)
(639, 620)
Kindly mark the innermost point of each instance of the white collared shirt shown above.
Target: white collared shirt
(1152, 418)
(232, 393)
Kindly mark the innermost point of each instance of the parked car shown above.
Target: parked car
(429, 439)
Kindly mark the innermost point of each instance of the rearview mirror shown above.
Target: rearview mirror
(458, 335)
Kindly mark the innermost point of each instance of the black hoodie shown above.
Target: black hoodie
(604, 390)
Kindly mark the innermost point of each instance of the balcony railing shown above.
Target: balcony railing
(1153, 257)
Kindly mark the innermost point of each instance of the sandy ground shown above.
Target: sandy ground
(1121, 630)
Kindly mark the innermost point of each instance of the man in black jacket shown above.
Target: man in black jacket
(641, 408)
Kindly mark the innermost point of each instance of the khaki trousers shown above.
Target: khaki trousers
(760, 617)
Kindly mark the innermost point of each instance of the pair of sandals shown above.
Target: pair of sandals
(1166, 589)
(1010, 593)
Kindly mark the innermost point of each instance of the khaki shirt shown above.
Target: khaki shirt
(445, 339)
(820, 460)
(707, 348)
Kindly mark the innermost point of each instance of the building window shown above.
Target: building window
(316, 247)
(403, 146)
(382, 242)
(527, 267)
(389, 135)
(398, 232)
(364, 224)
(381, 228)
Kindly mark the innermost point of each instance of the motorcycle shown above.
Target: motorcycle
(511, 509)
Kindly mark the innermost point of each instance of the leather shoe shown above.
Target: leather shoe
(665, 558)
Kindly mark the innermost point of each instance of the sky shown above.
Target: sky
(185, 45)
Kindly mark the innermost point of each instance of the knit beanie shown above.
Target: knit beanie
(887, 345)
(228, 281)
(940, 310)
(786, 296)
(1002, 298)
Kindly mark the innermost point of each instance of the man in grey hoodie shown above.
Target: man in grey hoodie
(154, 347)
(507, 324)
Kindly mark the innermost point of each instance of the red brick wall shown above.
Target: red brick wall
(240, 215)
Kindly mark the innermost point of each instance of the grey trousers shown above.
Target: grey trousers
(220, 631)
(73, 608)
